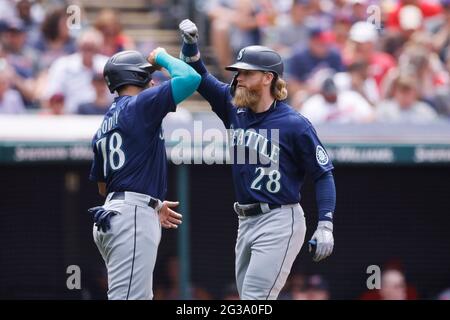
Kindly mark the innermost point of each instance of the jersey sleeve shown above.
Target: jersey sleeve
(218, 95)
(153, 104)
(312, 153)
(96, 173)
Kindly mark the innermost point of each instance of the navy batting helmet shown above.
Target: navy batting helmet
(127, 67)
(258, 58)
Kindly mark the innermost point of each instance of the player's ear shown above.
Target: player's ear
(267, 78)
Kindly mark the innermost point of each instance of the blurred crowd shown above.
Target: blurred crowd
(348, 61)
(394, 285)
(50, 65)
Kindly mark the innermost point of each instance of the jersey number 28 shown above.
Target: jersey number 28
(273, 185)
(112, 153)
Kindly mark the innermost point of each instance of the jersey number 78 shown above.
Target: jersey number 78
(113, 155)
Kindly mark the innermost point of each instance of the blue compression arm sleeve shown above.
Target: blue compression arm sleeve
(184, 80)
(326, 196)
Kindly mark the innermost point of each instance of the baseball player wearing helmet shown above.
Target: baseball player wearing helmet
(130, 168)
(271, 221)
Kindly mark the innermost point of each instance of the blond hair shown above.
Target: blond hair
(279, 89)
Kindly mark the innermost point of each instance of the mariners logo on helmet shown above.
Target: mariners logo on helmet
(321, 156)
(239, 57)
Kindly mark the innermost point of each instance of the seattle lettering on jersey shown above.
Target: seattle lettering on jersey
(258, 141)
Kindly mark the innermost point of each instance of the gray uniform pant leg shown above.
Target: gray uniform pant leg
(129, 250)
(266, 248)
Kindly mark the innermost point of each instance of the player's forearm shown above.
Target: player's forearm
(325, 196)
(210, 88)
(185, 80)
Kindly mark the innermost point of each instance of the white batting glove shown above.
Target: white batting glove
(323, 236)
(189, 31)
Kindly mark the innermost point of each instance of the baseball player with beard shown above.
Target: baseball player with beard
(273, 148)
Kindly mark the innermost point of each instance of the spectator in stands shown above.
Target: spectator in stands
(320, 12)
(362, 47)
(330, 105)
(357, 78)
(21, 57)
(441, 37)
(7, 9)
(444, 295)
(172, 292)
(404, 105)
(55, 40)
(108, 23)
(317, 288)
(393, 285)
(341, 29)
(299, 293)
(339, 7)
(295, 287)
(392, 44)
(234, 25)
(306, 61)
(55, 105)
(428, 70)
(102, 97)
(443, 97)
(72, 75)
(30, 20)
(410, 20)
(392, 274)
(428, 9)
(358, 9)
(292, 31)
(10, 99)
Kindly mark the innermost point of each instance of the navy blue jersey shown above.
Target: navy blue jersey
(280, 147)
(129, 150)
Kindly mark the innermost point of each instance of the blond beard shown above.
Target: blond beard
(246, 98)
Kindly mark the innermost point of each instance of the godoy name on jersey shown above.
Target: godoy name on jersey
(109, 123)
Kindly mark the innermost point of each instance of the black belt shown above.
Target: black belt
(121, 196)
(253, 211)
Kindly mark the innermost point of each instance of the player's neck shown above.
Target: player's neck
(263, 105)
(130, 91)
